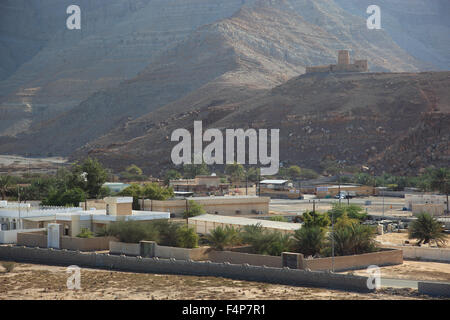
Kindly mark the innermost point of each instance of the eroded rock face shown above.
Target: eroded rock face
(48, 69)
(139, 69)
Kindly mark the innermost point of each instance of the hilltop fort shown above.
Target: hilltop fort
(343, 65)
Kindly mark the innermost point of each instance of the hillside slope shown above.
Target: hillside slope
(261, 46)
(382, 119)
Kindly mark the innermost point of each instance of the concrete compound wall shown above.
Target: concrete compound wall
(10, 236)
(436, 289)
(171, 266)
(359, 261)
(39, 239)
(432, 254)
(135, 249)
(383, 258)
(240, 258)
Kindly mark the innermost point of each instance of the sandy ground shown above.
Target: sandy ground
(396, 238)
(413, 270)
(41, 282)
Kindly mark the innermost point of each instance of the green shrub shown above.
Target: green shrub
(167, 232)
(187, 237)
(315, 219)
(194, 209)
(278, 218)
(134, 231)
(85, 233)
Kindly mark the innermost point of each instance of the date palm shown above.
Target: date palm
(427, 229)
(309, 240)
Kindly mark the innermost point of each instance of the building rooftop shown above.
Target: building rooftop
(274, 181)
(246, 222)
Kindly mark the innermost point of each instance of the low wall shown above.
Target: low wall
(436, 289)
(86, 244)
(246, 272)
(181, 253)
(431, 254)
(385, 257)
(136, 249)
(128, 249)
(240, 258)
(32, 239)
(39, 239)
(359, 261)
(10, 236)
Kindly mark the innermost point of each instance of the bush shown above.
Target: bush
(314, 219)
(187, 237)
(194, 209)
(133, 231)
(310, 240)
(353, 211)
(278, 218)
(167, 232)
(85, 233)
(9, 266)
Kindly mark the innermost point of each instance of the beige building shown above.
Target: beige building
(200, 186)
(279, 189)
(433, 204)
(343, 65)
(226, 205)
(73, 220)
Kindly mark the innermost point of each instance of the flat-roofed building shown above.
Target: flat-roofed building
(203, 224)
(333, 190)
(279, 189)
(223, 205)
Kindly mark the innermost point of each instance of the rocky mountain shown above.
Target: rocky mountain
(139, 69)
(48, 69)
(396, 122)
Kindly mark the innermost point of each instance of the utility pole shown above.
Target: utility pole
(246, 183)
(383, 194)
(187, 212)
(339, 190)
(332, 240)
(18, 197)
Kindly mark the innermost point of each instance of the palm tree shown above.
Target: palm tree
(5, 183)
(426, 229)
(223, 237)
(441, 181)
(309, 240)
(353, 239)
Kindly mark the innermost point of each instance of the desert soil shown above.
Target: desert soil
(413, 270)
(28, 281)
(396, 238)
